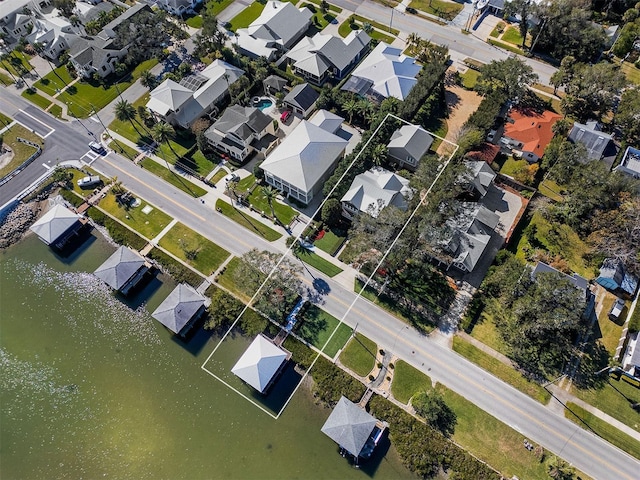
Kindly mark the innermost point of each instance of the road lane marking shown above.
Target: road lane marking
(46, 166)
(51, 129)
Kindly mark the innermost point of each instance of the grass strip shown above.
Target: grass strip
(316, 325)
(319, 263)
(603, 429)
(36, 99)
(194, 249)
(504, 372)
(179, 272)
(247, 221)
(359, 355)
(407, 381)
(173, 178)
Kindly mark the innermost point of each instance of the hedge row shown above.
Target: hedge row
(485, 116)
(178, 271)
(117, 232)
(424, 450)
(431, 75)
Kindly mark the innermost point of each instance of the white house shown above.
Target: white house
(14, 22)
(321, 56)
(238, 130)
(195, 95)
(178, 7)
(408, 145)
(279, 26)
(630, 164)
(386, 72)
(373, 190)
(304, 160)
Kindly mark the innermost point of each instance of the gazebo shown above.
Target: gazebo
(350, 427)
(260, 363)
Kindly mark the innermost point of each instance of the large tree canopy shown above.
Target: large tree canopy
(511, 77)
(627, 117)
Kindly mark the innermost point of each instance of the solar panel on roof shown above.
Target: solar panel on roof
(193, 82)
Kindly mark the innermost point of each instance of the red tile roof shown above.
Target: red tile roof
(486, 153)
(532, 130)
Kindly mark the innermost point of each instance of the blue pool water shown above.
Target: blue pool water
(264, 103)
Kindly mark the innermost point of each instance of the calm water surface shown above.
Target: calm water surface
(90, 388)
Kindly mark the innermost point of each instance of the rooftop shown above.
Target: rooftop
(120, 267)
(374, 189)
(179, 307)
(349, 426)
(532, 130)
(259, 363)
(302, 96)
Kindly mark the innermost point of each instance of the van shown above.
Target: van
(87, 182)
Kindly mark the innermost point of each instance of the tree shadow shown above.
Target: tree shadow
(594, 359)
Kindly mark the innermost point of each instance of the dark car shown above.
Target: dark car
(96, 147)
(411, 10)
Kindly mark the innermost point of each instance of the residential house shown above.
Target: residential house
(597, 143)
(301, 99)
(180, 309)
(373, 190)
(487, 152)
(260, 363)
(58, 226)
(54, 35)
(386, 72)
(408, 145)
(630, 164)
(123, 270)
(15, 18)
(178, 7)
(303, 161)
(579, 282)
(327, 121)
(196, 95)
(527, 134)
(322, 56)
(614, 277)
(274, 84)
(354, 429)
(238, 131)
(631, 358)
(471, 233)
(279, 26)
(478, 178)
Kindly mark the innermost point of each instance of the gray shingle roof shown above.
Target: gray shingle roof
(54, 224)
(410, 139)
(275, 82)
(593, 139)
(179, 307)
(242, 121)
(349, 426)
(119, 267)
(302, 96)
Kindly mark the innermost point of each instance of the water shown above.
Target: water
(90, 388)
(264, 103)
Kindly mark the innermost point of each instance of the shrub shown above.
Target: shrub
(117, 232)
(332, 383)
(178, 271)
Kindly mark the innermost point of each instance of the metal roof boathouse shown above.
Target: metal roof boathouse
(261, 363)
(123, 270)
(180, 309)
(58, 226)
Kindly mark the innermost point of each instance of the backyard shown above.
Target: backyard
(147, 224)
(194, 249)
(359, 355)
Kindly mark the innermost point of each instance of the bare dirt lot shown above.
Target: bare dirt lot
(461, 104)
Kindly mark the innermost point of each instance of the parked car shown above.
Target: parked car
(616, 309)
(96, 147)
(86, 182)
(411, 10)
(285, 116)
(232, 177)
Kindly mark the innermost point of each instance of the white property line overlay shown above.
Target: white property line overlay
(358, 295)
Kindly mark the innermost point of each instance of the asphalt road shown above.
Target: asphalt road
(587, 452)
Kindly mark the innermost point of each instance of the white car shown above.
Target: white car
(232, 177)
(87, 182)
(616, 309)
(96, 147)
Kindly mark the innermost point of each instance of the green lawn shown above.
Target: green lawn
(612, 399)
(504, 45)
(173, 178)
(247, 221)
(316, 326)
(284, 213)
(37, 99)
(82, 97)
(246, 16)
(500, 370)
(511, 166)
(485, 328)
(14, 59)
(603, 429)
(551, 189)
(246, 183)
(5, 79)
(125, 150)
(345, 29)
(470, 78)
(52, 82)
(195, 21)
(609, 331)
(77, 175)
(407, 381)
(216, 6)
(181, 239)
(359, 355)
(4, 120)
(512, 35)
(557, 239)
(148, 225)
(219, 175)
(497, 30)
(330, 242)
(440, 8)
(332, 8)
(631, 72)
(227, 281)
(21, 151)
(491, 440)
(319, 263)
(56, 111)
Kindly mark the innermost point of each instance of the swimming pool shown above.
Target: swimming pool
(263, 104)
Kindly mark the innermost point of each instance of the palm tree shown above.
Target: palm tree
(350, 107)
(148, 79)
(379, 154)
(367, 27)
(364, 107)
(126, 112)
(163, 132)
(270, 194)
(412, 40)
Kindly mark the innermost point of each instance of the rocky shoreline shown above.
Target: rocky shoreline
(16, 222)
